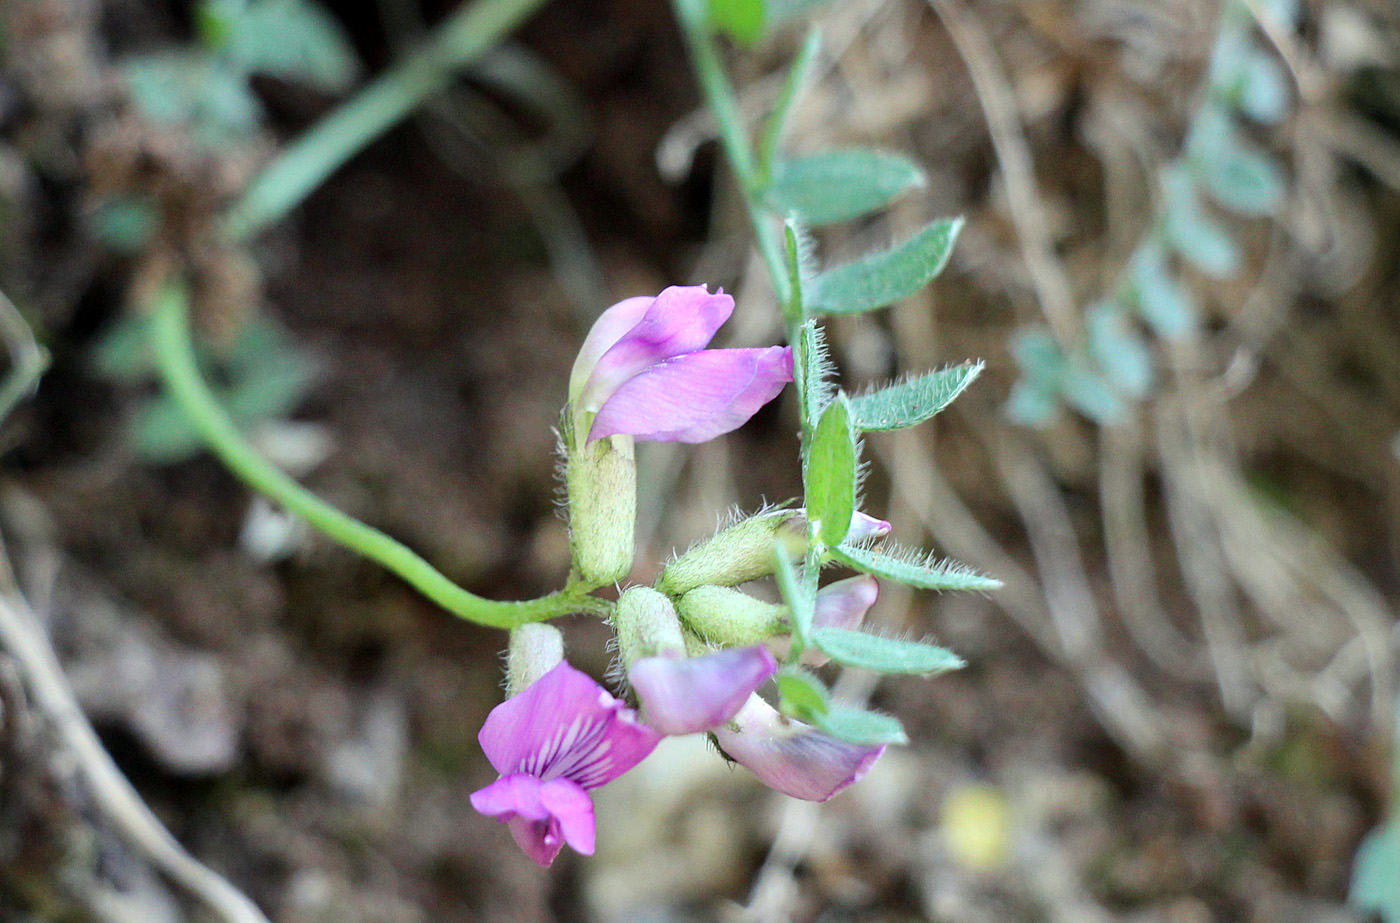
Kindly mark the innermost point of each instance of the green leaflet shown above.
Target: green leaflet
(1198, 238)
(911, 402)
(802, 694)
(913, 569)
(811, 367)
(840, 185)
(293, 40)
(800, 600)
(884, 655)
(1161, 299)
(831, 472)
(880, 279)
(857, 726)
(1117, 349)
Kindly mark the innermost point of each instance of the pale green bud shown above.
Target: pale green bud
(730, 617)
(535, 649)
(738, 554)
(646, 625)
(602, 486)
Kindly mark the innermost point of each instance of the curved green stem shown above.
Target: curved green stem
(376, 108)
(175, 358)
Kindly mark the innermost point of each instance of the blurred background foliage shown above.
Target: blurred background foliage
(1179, 263)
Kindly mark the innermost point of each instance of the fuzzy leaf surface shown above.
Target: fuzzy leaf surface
(884, 655)
(880, 279)
(840, 185)
(913, 570)
(858, 726)
(831, 472)
(911, 402)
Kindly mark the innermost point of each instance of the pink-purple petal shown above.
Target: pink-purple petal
(679, 321)
(522, 802)
(843, 604)
(570, 805)
(610, 327)
(696, 397)
(791, 757)
(565, 725)
(689, 695)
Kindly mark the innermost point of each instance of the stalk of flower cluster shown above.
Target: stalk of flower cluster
(175, 358)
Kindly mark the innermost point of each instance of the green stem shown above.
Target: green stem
(385, 102)
(175, 357)
(724, 103)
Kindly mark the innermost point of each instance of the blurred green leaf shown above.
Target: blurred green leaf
(913, 569)
(1199, 239)
(1375, 880)
(126, 223)
(912, 401)
(742, 20)
(160, 432)
(294, 40)
(1091, 394)
(881, 279)
(1241, 178)
(123, 353)
(840, 185)
(1161, 299)
(1031, 405)
(831, 472)
(1263, 88)
(857, 726)
(192, 89)
(884, 655)
(1118, 350)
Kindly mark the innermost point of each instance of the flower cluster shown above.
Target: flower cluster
(694, 649)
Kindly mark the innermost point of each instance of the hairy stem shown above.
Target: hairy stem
(724, 104)
(175, 357)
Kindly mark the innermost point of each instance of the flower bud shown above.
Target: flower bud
(729, 617)
(681, 694)
(602, 488)
(744, 551)
(535, 649)
(737, 554)
(647, 626)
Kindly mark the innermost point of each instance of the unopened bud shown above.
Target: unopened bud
(602, 485)
(535, 649)
(737, 554)
(729, 617)
(647, 626)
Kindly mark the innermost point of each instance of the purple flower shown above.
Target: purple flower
(863, 527)
(561, 737)
(792, 757)
(643, 370)
(843, 604)
(686, 695)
